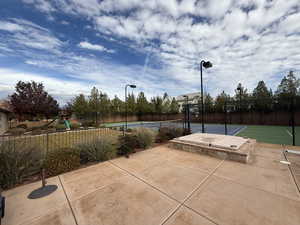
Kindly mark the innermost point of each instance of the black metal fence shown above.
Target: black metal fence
(48, 141)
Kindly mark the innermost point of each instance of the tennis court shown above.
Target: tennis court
(271, 134)
(195, 127)
(267, 134)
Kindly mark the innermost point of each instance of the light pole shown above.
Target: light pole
(132, 86)
(205, 64)
(187, 111)
(293, 120)
(225, 106)
(240, 90)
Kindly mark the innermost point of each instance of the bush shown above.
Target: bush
(60, 127)
(17, 131)
(168, 133)
(37, 131)
(23, 125)
(75, 126)
(99, 150)
(61, 160)
(18, 161)
(127, 144)
(145, 137)
(88, 124)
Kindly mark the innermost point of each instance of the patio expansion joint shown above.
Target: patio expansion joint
(256, 188)
(180, 204)
(191, 194)
(68, 200)
(144, 181)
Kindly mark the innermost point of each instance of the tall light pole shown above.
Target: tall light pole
(132, 86)
(240, 90)
(187, 112)
(205, 64)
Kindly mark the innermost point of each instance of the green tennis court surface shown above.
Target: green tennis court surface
(271, 134)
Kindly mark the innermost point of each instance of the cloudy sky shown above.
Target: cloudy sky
(73, 45)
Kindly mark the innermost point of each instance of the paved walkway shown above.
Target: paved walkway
(166, 186)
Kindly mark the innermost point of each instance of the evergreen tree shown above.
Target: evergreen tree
(242, 98)
(117, 105)
(157, 104)
(208, 103)
(142, 104)
(287, 90)
(174, 107)
(95, 103)
(220, 101)
(80, 106)
(262, 97)
(104, 104)
(166, 103)
(131, 104)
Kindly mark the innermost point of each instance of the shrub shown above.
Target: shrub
(18, 161)
(37, 131)
(98, 150)
(75, 125)
(145, 137)
(17, 131)
(23, 125)
(88, 123)
(61, 160)
(60, 126)
(127, 144)
(168, 133)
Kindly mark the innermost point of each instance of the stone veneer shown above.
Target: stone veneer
(242, 155)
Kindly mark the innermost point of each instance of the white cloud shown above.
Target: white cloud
(61, 90)
(96, 47)
(247, 40)
(11, 27)
(25, 33)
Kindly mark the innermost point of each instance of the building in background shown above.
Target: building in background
(4, 116)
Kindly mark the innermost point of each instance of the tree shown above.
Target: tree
(174, 107)
(30, 98)
(142, 104)
(80, 106)
(262, 97)
(131, 104)
(104, 104)
(95, 103)
(157, 104)
(208, 103)
(166, 103)
(241, 97)
(117, 105)
(220, 101)
(288, 86)
(287, 91)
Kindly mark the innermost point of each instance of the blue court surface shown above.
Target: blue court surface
(195, 127)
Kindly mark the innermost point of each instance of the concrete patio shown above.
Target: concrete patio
(166, 186)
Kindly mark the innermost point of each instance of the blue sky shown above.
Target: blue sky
(73, 45)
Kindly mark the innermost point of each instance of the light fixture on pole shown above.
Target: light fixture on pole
(205, 64)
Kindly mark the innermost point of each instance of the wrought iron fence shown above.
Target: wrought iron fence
(48, 141)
